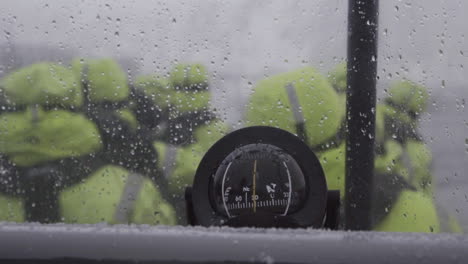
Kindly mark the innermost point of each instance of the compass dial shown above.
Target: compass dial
(258, 178)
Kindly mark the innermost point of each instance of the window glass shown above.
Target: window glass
(108, 108)
(422, 75)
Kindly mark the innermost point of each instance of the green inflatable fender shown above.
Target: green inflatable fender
(411, 160)
(388, 119)
(396, 123)
(390, 160)
(34, 136)
(397, 115)
(337, 77)
(413, 212)
(319, 104)
(453, 225)
(419, 165)
(189, 77)
(105, 79)
(41, 84)
(99, 198)
(166, 96)
(11, 209)
(128, 117)
(408, 96)
(380, 123)
(333, 164)
(186, 160)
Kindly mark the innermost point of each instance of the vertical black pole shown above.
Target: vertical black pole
(360, 104)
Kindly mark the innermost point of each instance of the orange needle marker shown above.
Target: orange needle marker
(253, 196)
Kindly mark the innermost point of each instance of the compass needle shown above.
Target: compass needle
(254, 187)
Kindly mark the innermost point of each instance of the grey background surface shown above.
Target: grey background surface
(242, 42)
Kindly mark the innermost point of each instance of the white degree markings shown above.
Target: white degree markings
(222, 190)
(290, 189)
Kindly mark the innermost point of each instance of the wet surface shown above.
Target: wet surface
(446, 131)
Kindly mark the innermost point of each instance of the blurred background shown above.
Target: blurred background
(235, 45)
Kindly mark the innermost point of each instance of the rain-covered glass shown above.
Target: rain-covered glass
(106, 109)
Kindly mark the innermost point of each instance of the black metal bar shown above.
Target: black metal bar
(360, 121)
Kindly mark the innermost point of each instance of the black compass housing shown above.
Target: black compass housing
(261, 177)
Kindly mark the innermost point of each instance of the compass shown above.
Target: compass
(261, 177)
